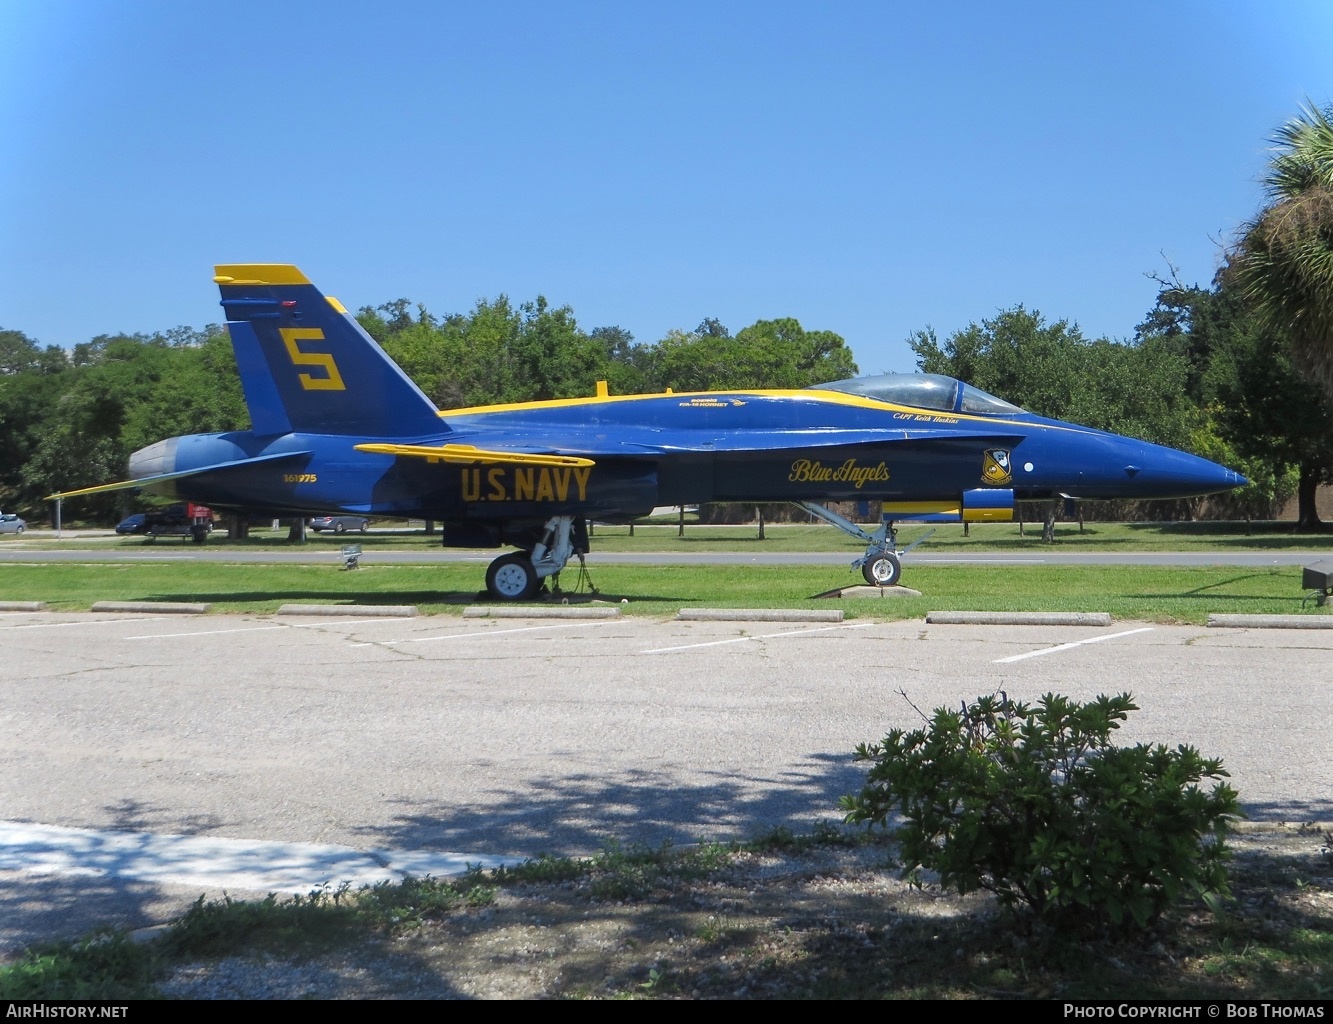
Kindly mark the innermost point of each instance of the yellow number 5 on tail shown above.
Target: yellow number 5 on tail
(332, 380)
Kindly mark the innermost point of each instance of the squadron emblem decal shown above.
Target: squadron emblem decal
(995, 467)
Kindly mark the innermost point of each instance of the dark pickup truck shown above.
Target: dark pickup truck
(187, 520)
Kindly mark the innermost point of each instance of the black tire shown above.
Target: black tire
(338, 527)
(199, 534)
(511, 577)
(20, 529)
(364, 524)
(882, 569)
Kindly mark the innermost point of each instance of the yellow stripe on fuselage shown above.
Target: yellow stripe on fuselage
(924, 416)
(907, 509)
(836, 397)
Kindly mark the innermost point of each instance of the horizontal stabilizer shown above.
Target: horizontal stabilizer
(468, 454)
(148, 481)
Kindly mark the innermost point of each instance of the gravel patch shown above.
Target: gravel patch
(763, 927)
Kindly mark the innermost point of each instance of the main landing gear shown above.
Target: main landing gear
(512, 577)
(881, 565)
(518, 575)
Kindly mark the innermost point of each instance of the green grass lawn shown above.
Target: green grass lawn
(1148, 537)
(1151, 593)
(787, 537)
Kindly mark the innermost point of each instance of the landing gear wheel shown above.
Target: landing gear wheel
(511, 578)
(883, 569)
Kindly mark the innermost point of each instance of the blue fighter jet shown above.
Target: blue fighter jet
(337, 427)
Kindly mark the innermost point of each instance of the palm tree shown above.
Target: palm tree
(1283, 262)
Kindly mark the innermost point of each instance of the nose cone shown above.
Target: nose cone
(1152, 471)
(1082, 463)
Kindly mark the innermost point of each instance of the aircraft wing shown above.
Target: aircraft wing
(146, 481)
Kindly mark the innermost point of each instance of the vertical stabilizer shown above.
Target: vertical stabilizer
(307, 366)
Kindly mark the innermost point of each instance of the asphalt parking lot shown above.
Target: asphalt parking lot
(510, 738)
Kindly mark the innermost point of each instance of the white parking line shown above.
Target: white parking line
(202, 632)
(260, 629)
(484, 632)
(1066, 647)
(758, 636)
(346, 622)
(87, 622)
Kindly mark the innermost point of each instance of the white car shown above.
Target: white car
(10, 523)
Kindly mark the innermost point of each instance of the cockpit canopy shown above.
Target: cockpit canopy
(923, 391)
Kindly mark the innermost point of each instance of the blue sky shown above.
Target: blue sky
(868, 168)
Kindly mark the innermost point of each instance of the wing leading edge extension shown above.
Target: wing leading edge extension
(466, 453)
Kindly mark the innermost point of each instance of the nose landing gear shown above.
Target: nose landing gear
(881, 565)
(882, 569)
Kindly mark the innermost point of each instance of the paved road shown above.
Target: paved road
(513, 737)
(328, 551)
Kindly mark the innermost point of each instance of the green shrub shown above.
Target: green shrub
(1036, 805)
(102, 966)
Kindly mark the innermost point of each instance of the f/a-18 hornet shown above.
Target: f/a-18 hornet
(337, 427)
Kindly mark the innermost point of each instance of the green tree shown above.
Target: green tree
(1273, 413)
(1283, 263)
(125, 393)
(436, 356)
(552, 357)
(31, 381)
(712, 327)
(1149, 389)
(1266, 418)
(767, 354)
(18, 352)
(491, 330)
(498, 353)
(1052, 370)
(196, 390)
(629, 363)
(80, 443)
(1016, 356)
